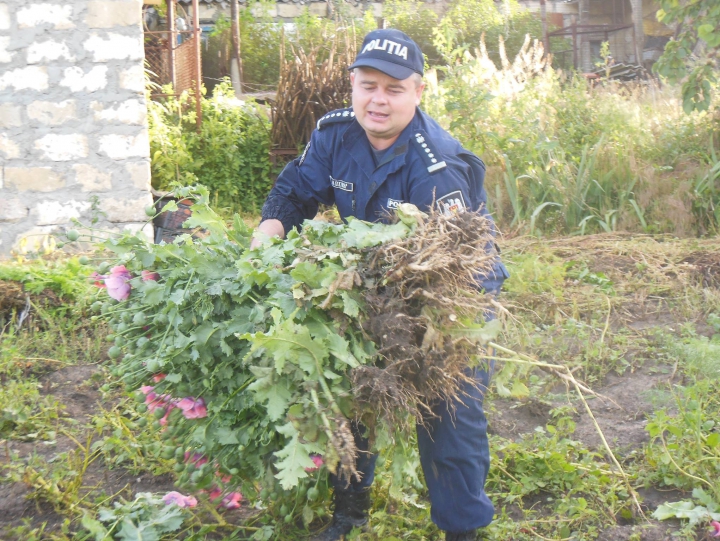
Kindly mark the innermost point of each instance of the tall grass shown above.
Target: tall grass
(570, 157)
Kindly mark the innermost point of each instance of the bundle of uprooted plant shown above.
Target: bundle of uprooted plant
(260, 358)
(426, 315)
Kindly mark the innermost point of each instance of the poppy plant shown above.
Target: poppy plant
(224, 478)
(164, 419)
(232, 500)
(117, 283)
(153, 400)
(318, 461)
(196, 459)
(99, 279)
(149, 275)
(193, 409)
(179, 500)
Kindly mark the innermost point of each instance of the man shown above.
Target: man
(368, 159)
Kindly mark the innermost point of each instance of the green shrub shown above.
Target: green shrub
(261, 41)
(473, 18)
(230, 154)
(259, 46)
(417, 20)
(462, 26)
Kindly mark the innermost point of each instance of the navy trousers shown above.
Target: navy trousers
(455, 458)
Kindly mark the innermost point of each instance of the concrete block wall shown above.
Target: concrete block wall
(73, 118)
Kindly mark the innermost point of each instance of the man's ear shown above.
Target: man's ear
(418, 93)
(352, 77)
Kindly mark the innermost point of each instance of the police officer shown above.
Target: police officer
(366, 160)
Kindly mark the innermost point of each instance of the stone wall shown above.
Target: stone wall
(73, 118)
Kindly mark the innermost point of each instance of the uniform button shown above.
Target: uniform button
(424, 145)
(431, 155)
(427, 150)
(434, 160)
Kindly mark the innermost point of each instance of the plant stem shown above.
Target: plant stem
(687, 474)
(567, 375)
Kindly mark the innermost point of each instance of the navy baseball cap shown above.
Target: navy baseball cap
(392, 52)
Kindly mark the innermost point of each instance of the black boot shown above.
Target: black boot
(351, 511)
(461, 536)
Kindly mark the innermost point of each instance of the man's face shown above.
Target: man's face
(383, 106)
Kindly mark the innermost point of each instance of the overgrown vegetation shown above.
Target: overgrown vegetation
(569, 158)
(262, 40)
(565, 156)
(462, 26)
(230, 154)
(633, 317)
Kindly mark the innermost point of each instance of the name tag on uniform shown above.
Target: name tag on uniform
(393, 203)
(342, 185)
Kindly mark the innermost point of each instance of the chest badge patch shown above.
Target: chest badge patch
(342, 185)
(394, 203)
(451, 204)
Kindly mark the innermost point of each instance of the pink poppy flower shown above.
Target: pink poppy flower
(150, 275)
(196, 459)
(716, 526)
(232, 500)
(215, 493)
(157, 378)
(117, 283)
(164, 419)
(318, 461)
(179, 500)
(151, 398)
(154, 401)
(99, 279)
(193, 409)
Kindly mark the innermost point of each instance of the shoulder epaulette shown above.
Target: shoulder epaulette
(340, 115)
(430, 156)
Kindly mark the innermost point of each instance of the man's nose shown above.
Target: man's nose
(379, 97)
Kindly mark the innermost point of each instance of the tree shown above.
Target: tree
(692, 55)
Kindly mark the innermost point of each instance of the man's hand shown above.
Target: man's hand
(272, 228)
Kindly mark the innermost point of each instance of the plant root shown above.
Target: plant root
(425, 286)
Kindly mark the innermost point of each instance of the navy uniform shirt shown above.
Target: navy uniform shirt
(425, 166)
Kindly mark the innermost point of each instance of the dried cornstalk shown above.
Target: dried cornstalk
(308, 89)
